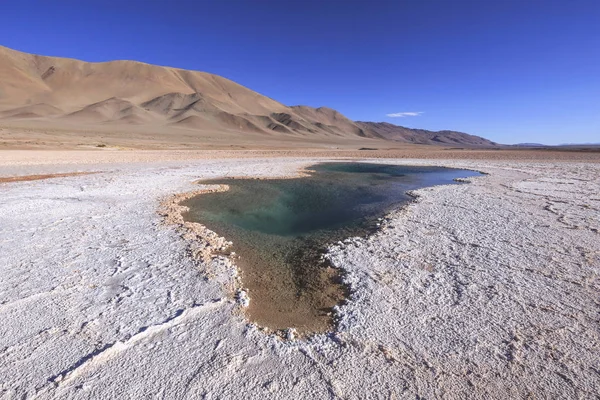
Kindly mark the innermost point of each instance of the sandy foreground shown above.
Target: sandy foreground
(486, 290)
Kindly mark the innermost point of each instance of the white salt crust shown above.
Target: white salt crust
(486, 290)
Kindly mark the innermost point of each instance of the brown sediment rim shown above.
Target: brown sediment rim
(206, 242)
(40, 177)
(278, 300)
(204, 245)
(306, 315)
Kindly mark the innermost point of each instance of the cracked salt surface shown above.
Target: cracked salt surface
(486, 290)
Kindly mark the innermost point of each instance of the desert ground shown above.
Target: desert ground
(487, 290)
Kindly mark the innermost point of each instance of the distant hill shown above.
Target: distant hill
(580, 144)
(123, 94)
(530, 145)
(422, 136)
(558, 146)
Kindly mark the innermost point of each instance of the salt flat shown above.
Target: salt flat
(486, 290)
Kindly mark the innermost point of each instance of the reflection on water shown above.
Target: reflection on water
(280, 228)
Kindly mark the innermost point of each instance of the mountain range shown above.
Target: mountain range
(70, 93)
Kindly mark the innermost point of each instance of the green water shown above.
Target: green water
(337, 196)
(280, 227)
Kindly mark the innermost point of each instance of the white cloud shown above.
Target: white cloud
(405, 114)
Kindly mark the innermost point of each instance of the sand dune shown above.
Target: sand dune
(61, 93)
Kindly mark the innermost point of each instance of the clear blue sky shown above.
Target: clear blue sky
(512, 71)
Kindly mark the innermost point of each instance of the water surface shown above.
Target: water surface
(280, 228)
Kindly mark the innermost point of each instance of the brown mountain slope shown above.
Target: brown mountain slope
(422, 136)
(59, 92)
(133, 93)
(72, 84)
(331, 120)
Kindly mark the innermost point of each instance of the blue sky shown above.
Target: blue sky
(512, 71)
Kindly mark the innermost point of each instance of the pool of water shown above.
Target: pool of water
(281, 227)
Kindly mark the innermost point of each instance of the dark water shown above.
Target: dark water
(280, 227)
